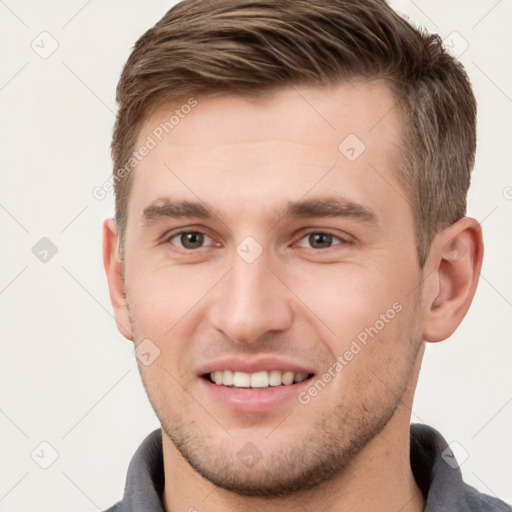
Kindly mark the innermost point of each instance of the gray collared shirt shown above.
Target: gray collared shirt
(433, 464)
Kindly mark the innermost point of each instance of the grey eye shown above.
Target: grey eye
(319, 240)
(190, 240)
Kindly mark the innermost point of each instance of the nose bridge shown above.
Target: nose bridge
(251, 301)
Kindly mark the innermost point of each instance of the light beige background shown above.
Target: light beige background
(67, 377)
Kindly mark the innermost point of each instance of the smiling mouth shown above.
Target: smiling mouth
(256, 380)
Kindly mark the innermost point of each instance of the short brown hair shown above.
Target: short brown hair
(253, 47)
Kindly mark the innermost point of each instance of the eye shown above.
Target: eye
(320, 240)
(190, 240)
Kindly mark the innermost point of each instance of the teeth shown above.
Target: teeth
(274, 378)
(261, 379)
(227, 378)
(241, 380)
(287, 378)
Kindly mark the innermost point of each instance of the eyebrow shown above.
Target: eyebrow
(167, 208)
(335, 206)
(330, 207)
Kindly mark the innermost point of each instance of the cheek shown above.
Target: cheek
(346, 299)
(163, 387)
(373, 358)
(163, 297)
(168, 307)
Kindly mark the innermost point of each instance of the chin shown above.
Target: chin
(280, 467)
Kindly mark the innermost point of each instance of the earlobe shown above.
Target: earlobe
(115, 278)
(453, 270)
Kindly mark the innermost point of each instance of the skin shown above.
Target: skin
(348, 448)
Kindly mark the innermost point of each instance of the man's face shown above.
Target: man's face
(265, 245)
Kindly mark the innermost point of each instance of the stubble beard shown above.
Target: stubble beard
(321, 457)
(325, 454)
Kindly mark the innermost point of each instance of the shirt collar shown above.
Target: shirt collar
(436, 471)
(145, 480)
(433, 464)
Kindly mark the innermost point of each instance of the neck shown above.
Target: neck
(380, 478)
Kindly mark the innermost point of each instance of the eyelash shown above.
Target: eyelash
(341, 240)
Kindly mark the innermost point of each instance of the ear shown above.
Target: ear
(451, 276)
(115, 278)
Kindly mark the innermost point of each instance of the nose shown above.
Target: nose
(250, 302)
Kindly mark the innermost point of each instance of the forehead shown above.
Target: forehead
(226, 149)
(365, 107)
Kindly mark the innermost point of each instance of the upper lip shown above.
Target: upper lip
(252, 365)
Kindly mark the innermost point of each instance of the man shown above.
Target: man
(290, 231)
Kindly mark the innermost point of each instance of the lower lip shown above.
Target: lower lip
(253, 399)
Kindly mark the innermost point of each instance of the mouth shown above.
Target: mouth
(256, 380)
(260, 384)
